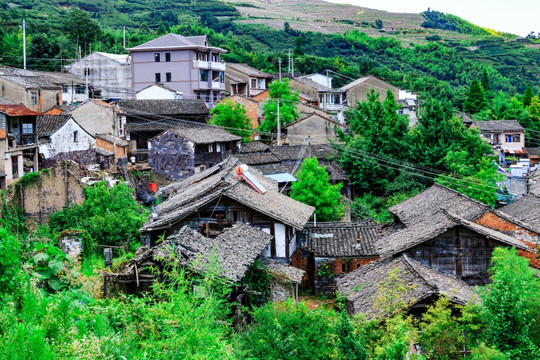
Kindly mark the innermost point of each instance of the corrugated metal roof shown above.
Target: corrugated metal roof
(282, 177)
(17, 110)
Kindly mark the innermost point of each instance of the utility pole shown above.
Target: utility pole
(278, 126)
(124, 37)
(292, 68)
(24, 42)
(327, 79)
(289, 63)
(279, 61)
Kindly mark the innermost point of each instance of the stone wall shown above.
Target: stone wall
(81, 157)
(171, 156)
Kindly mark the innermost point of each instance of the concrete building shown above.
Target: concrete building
(158, 91)
(186, 64)
(246, 80)
(321, 129)
(327, 99)
(111, 73)
(27, 88)
(360, 88)
(18, 142)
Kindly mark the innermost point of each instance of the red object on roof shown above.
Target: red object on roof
(515, 151)
(17, 110)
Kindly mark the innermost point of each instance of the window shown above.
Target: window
(80, 90)
(222, 77)
(75, 136)
(215, 97)
(167, 57)
(168, 77)
(156, 57)
(343, 268)
(34, 98)
(204, 75)
(158, 77)
(512, 138)
(215, 57)
(198, 95)
(253, 83)
(27, 128)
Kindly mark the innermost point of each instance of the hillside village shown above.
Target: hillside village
(251, 180)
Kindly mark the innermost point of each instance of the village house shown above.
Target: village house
(506, 136)
(358, 90)
(26, 88)
(110, 73)
(245, 80)
(329, 250)
(321, 130)
(366, 288)
(158, 91)
(74, 89)
(146, 119)
(18, 142)
(184, 63)
(98, 117)
(111, 150)
(328, 99)
(253, 110)
(211, 201)
(62, 138)
(187, 148)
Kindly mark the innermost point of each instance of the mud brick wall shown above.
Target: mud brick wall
(495, 222)
(171, 156)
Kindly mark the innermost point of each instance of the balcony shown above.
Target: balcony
(19, 141)
(199, 64)
(331, 107)
(216, 85)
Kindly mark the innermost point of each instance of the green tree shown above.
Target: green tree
(379, 24)
(528, 95)
(43, 49)
(279, 92)
(232, 116)
(510, 306)
(109, 214)
(376, 129)
(313, 188)
(80, 26)
(476, 100)
(485, 81)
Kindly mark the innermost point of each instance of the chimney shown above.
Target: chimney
(347, 214)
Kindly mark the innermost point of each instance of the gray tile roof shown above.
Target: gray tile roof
(437, 224)
(282, 272)
(362, 286)
(257, 158)
(248, 70)
(60, 78)
(335, 172)
(190, 194)
(175, 41)
(31, 82)
(199, 133)
(499, 125)
(253, 147)
(526, 209)
(233, 251)
(284, 153)
(112, 139)
(437, 197)
(164, 107)
(49, 124)
(313, 84)
(338, 239)
(354, 83)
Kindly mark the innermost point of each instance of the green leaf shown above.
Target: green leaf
(56, 265)
(41, 257)
(55, 284)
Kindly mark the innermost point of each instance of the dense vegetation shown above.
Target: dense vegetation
(439, 20)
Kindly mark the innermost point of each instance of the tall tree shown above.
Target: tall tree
(528, 95)
(232, 116)
(313, 188)
(485, 81)
(376, 129)
(476, 100)
(280, 92)
(81, 27)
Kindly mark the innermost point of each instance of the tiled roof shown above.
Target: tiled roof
(186, 196)
(175, 41)
(424, 205)
(283, 272)
(199, 133)
(433, 226)
(17, 110)
(31, 82)
(526, 209)
(257, 158)
(354, 83)
(60, 78)
(499, 125)
(253, 147)
(248, 70)
(49, 124)
(121, 58)
(312, 84)
(112, 139)
(234, 250)
(362, 286)
(164, 107)
(284, 153)
(341, 239)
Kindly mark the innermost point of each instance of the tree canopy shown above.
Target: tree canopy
(279, 92)
(232, 116)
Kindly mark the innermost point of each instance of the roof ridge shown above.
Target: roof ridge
(412, 266)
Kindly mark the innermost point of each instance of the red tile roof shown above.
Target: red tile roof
(17, 110)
